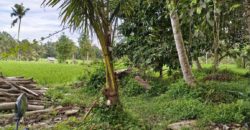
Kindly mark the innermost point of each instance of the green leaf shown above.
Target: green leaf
(194, 2)
(198, 10)
(235, 6)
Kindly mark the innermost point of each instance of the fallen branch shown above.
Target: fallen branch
(87, 113)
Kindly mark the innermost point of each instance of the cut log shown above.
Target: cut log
(11, 105)
(7, 116)
(5, 94)
(183, 124)
(72, 111)
(21, 88)
(7, 106)
(35, 107)
(27, 90)
(6, 99)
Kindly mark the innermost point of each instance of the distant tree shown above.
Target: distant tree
(49, 49)
(64, 48)
(18, 11)
(27, 50)
(98, 52)
(38, 49)
(8, 46)
(86, 49)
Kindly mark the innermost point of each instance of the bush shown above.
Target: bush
(130, 87)
(215, 92)
(158, 87)
(247, 75)
(237, 112)
(97, 80)
(212, 92)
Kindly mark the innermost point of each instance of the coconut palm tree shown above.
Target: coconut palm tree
(98, 15)
(18, 11)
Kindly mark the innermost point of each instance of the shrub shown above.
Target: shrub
(222, 75)
(237, 112)
(97, 80)
(215, 92)
(130, 87)
(158, 87)
(247, 75)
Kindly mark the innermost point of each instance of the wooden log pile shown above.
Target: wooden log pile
(38, 109)
(12, 87)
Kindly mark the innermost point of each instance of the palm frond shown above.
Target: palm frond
(75, 16)
(14, 22)
(117, 9)
(13, 14)
(26, 10)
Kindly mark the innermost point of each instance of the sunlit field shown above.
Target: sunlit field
(42, 72)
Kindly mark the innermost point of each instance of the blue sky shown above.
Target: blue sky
(38, 22)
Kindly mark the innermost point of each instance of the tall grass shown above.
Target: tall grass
(42, 72)
(232, 67)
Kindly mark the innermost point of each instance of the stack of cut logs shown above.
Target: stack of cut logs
(39, 111)
(12, 87)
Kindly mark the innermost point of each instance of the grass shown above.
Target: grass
(232, 67)
(44, 73)
(222, 102)
(210, 102)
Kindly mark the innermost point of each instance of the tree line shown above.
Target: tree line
(64, 48)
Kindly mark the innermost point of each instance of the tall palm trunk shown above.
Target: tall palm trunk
(216, 32)
(111, 89)
(19, 26)
(18, 36)
(185, 67)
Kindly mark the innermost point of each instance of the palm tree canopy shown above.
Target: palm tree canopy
(18, 11)
(79, 14)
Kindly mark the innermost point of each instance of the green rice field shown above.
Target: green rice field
(43, 72)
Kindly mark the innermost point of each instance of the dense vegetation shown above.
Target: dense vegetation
(181, 61)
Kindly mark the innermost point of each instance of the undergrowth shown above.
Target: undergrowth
(168, 101)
